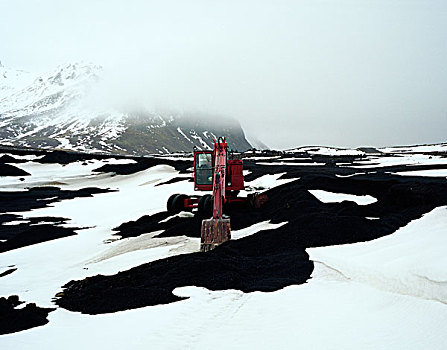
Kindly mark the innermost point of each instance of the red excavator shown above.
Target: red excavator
(221, 173)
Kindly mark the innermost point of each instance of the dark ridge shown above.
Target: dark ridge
(57, 156)
(371, 150)
(143, 164)
(21, 151)
(174, 180)
(15, 320)
(40, 197)
(145, 224)
(11, 170)
(8, 218)
(6, 158)
(7, 272)
(268, 153)
(66, 157)
(23, 235)
(149, 223)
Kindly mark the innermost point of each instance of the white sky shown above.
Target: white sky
(341, 73)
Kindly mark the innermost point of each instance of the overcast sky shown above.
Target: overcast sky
(340, 73)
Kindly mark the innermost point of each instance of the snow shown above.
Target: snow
(171, 157)
(264, 182)
(260, 226)
(407, 159)
(67, 258)
(182, 214)
(64, 143)
(71, 176)
(24, 157)
(415, 149)
(331, 197)
(327, 151)
(412, 261)
(183, 134)
(291, 163)
(12, 80)
(15, 222)
(339, 308)
(203, 144)
(389, 293)
(295, 159)
(431, 172)
(262, 158)
(338, 175)
(124, 254)
(59, 103)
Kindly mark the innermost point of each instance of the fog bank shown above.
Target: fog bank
(293, 73)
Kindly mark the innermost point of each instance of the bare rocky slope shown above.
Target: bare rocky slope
(55, 111)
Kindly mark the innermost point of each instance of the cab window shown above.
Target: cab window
(204, 169)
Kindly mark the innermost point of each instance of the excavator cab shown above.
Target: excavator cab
(203, 170)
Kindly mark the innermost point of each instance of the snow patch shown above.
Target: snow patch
(412, 261)
(331, 197)
(291, 163)
(266, 182)
(430, 173)
(327, 151)
(183, 134)
(260, 226)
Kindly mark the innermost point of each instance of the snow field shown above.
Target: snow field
(327, 151)
(395, 160)
(389, 293)
(71, 176)
(66, 259)
(85, 254)
(432, 172)
(322, 314)
(411, 261)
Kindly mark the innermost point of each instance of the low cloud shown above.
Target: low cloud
(292, 73)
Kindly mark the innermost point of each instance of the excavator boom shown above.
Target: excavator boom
(221, 155)
(217, 229)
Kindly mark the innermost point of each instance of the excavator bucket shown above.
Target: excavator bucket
(214, 232)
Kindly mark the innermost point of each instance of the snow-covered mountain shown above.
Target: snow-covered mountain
(52, 111)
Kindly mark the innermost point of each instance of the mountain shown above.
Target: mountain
(257, 144)
(55, 111)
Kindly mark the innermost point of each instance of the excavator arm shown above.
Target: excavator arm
(217, 229)
(221, 156)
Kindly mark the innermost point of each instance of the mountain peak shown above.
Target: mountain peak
(53, 111)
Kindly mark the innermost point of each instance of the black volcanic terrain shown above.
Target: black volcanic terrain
(266, 261)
